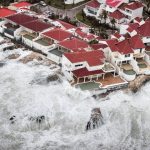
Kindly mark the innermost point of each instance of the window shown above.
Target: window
(140, 50)
(128, 11)
(78, 65)
(127, 55)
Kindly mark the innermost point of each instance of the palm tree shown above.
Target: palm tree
(83, 15)
(113, 22)
(104, 14)
(101, 17)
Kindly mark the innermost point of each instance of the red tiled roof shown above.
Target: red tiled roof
(111, 43)
(90, 37)
(117, 35)
(117, 15)
(133, 26)
(80, 33)
(66, 25)
(74, 44)
(124, 47)
(5, 12)
(144, 30)
(114, 3)
(58, 34)
(21, 18)
(98, 46)
(84, 72)
(138, 19)
(93, 58)
(21, 4)
(37, 26)
(129, 29)
(132, 6)
(136, 42)
(93, 4)
(85, 35)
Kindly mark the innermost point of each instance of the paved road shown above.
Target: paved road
(71, 13)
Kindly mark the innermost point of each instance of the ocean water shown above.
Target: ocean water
(66, 111)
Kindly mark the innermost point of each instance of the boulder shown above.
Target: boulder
(2, 63)
(38, 119)
(96, 119)
(136, 84)
(52, 78)
(13, 56)
(12, 119)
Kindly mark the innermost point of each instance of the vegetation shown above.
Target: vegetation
(113, 22)
(6, 2)
(93, 42)
(61, 4)
(97, 27)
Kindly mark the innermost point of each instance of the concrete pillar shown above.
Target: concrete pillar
(114, 74)
(84, 79)
(97, 76)
(103, 76)
(91, 78)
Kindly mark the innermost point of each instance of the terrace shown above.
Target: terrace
(139, 55)
(147, 50)
(56, 52)
(44, 42)
(110, 80)
(30, 36)
(143, 65)
(108, 67)
(128, 69)
(88, 86)
(11, 27)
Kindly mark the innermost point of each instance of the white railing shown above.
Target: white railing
(147, 58)
(127, 77)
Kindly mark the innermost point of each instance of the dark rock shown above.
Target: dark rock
(40, 119)
(12, 119)
(51, 78)
(13, 56)
(96, 119)
(136, 84)
(2, 64)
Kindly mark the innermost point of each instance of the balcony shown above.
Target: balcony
(29, 36)
(44, 42)
(108, 67)
(139, 55)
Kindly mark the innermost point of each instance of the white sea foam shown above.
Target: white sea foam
(66, 110)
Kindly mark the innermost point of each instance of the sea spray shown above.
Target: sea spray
(66, 111)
